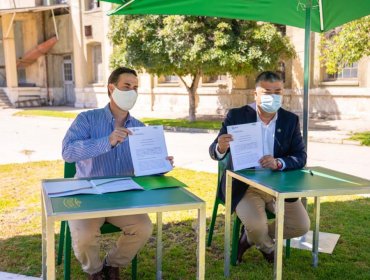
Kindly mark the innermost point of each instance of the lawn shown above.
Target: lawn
(363, 137)
(20, 237)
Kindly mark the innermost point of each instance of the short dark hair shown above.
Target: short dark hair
(268, 76)
(114, 76)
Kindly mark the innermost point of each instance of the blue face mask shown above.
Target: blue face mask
(270, 103)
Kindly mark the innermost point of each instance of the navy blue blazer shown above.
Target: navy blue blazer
(288, 145)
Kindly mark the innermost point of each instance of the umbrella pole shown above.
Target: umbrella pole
(306, 82)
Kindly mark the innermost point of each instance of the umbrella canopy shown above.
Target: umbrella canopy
(325, 15)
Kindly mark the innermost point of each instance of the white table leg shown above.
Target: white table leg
(316, 232)
(201, 252)
(44, 243)
(227, 225)
(279, 231)
(50, 249)
(159, 246)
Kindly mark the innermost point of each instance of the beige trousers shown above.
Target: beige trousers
(251, 211)
(136, 230)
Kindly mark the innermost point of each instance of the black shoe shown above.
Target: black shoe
(110, 272)
(96, 276)
(270, 258)
(243, 245)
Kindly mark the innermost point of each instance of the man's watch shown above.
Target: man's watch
(278, 164)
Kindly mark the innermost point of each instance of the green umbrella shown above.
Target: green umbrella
(312, 15)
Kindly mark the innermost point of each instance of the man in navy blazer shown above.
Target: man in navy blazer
(283, 149)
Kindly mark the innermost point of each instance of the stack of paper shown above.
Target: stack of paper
(96, 186)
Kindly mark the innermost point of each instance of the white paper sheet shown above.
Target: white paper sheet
(246, 148)
(148, 150)
(96, 186)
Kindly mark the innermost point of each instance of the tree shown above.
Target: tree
(188, 45)
(346, 46)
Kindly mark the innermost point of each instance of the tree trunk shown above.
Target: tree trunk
(192, 117)
(192, 91)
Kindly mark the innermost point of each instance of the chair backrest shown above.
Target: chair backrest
(69, 169)
(222, 165)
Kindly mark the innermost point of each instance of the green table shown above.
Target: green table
(309, 182)
(156, 200)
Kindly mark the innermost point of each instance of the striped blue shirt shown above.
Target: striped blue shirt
(87, 143)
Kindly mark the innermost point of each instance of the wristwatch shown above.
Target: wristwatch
(278, 164)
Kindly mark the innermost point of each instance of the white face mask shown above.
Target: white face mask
(125, 99)
(270, 103)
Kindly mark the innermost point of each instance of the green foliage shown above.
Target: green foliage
(363, 137)
(182, 45)
(349, 45)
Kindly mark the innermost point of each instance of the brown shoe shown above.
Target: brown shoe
(243, 245)
(96, 276)
(111, 273)
(269, 257)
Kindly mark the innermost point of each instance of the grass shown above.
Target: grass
(20, 239)
(46, 113)
(202, 124)
(363, 137)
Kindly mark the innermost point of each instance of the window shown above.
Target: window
(350, 71)
(171, 79)
(215, 79)
(92, 4)
(281, 70)
(97, 64)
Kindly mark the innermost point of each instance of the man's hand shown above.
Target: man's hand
(170, 158)
(268, 162)
(118, 135)
(224, 143)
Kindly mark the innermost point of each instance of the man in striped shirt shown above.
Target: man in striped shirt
(97, 142)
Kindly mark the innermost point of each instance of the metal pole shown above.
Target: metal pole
(306, 82)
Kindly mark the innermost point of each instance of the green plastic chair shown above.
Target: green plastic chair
(65, 235)
(222, 164)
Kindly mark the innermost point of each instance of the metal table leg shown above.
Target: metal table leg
(159, 246)
(315, 241)
(201, 252)
(227, 225)
(43, 222)
(279, 231)
(50, 250)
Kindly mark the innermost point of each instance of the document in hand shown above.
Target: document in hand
(246, 148)
(148, 150)
(95, 186)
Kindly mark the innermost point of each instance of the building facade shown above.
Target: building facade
(73, 69)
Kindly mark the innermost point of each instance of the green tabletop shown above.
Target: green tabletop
(307, 181)
(119, 200)
(158, 191)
